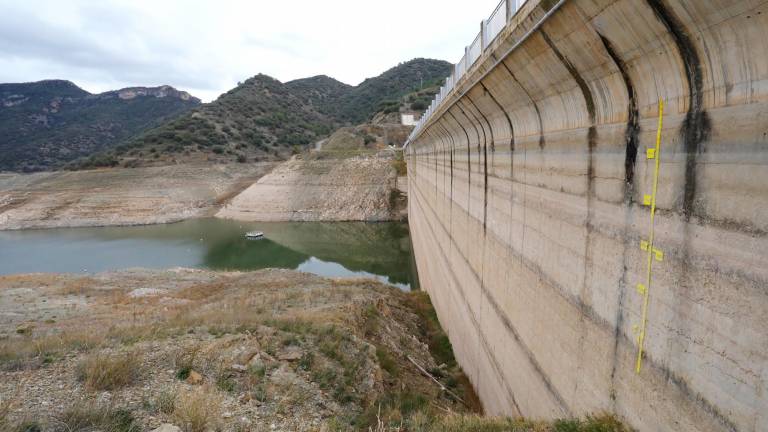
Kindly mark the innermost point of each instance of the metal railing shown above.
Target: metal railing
(489, 29)
(474, 50)
(496, 22)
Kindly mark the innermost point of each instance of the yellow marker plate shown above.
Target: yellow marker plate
(646, 200)
(659, 254)
(650, 153)
(644, 245)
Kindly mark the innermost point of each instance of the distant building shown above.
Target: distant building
(408, 119)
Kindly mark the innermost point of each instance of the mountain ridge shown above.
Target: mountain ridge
(265, 119)
(46, 124)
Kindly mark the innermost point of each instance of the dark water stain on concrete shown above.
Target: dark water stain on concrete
(696, 127)
(631, 134)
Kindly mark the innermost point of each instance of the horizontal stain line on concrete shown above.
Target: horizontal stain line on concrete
(650, 362)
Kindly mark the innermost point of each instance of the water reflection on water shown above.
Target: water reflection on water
(342, 249)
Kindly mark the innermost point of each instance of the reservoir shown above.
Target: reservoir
(333, 249)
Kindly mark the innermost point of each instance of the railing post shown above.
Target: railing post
(511, 6)
(483, 35)
(466, 59)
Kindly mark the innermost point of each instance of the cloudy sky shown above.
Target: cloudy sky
(206, 47)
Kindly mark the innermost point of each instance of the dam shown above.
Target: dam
(539, 171)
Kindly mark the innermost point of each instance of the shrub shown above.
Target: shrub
(108, 372)
(386, 361)
(88, 416)
(197, 410)
(419, 106)
(184, 361)
(165, 402)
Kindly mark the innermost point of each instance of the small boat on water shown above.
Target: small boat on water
(254, 235)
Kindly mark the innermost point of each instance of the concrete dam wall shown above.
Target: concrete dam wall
(526, 206)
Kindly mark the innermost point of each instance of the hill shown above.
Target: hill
(264, 119)
(260, 119)
(46, 124)
(368, 97)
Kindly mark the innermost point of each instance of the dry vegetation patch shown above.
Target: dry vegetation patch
(236, 351)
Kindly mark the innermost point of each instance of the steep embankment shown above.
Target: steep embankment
(44, 125)
(527, 213)
(352, 177)
(120, 196)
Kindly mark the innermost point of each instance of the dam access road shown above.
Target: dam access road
(527, 204)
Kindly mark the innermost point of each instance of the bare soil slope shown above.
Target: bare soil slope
(120, 196)
(358, 188)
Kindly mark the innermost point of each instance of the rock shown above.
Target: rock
(146, 292)
(249, 353)
(167, 427)
(226, 414)
(256, 362)
(238, 368)
(290, 353)
(194, 378)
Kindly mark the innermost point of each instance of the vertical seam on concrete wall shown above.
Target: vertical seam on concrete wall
(530, 98)
(475, 125)
(505, 321)
(485, 162)
(469, 151)
(469, 166)
(631, 137)
(511, 153)
(591, 142)
(453, 144)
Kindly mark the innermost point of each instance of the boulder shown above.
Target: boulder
(239, 368)
(194, 378)
(167, 427)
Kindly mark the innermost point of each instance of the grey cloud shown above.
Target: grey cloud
(25, 36)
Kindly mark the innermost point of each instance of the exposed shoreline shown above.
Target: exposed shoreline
(120, 196)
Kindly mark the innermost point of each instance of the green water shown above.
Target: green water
(340, 249)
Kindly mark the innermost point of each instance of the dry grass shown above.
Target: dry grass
(31, 352)
(90, 416)
(422, 422)
(197, 410)
(347, 331)
(109, 372)
(78, 286)
(6, 406)
(165, 402)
